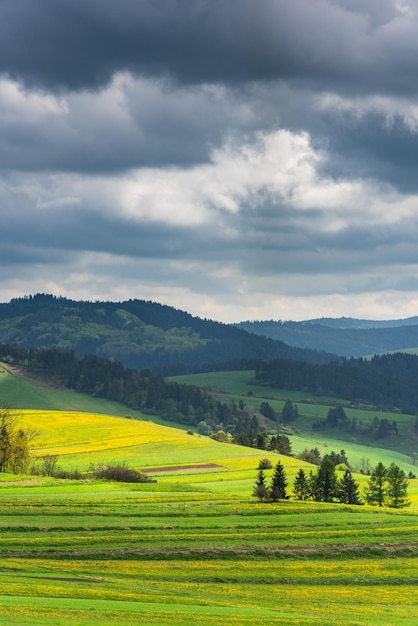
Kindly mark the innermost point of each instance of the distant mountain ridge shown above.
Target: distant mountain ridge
(138, 333)
(354, 323)
(344, 336)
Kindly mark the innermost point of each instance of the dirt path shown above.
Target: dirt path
(32, 377)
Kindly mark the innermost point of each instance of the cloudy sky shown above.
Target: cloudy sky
(238, 159)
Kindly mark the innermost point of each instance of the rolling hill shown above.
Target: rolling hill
(344, 336)
(137, 333)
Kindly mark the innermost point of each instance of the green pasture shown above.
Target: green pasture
(106, 553)
(243, 383)
(235, 386)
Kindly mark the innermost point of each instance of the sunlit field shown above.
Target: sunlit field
(161, 553)
(194, 547)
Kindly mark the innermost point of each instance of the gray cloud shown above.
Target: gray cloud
(72, 44)
(234, 158)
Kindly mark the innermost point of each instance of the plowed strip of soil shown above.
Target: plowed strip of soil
(179, 468)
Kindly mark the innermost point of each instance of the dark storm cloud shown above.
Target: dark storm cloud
(222, 148)
(372, 146)
(129, 124)
(77, 44)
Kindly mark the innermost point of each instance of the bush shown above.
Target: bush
(265, 464)
(74, 475)
(122, 474)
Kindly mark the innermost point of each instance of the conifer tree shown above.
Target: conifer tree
(278, 484)
(376, 491)
(260, 490)
(397, 487)
(348, 489)
(301, 487)
(325, 484)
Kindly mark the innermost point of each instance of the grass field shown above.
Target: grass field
(158, 554)
(195, 547)
(400, 449)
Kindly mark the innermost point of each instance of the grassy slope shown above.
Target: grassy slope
(21, 391)
(236, 386)
(25, 393)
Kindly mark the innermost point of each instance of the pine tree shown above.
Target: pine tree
(325, 481)
(260, 490)
(348, 489)
(289, 412)
(397, 487)
(278, 484)
(376, 491)
(301, 488)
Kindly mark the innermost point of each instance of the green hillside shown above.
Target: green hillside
(241, 386)
(19, 389)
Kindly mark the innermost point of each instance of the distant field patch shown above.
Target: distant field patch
(179, 468)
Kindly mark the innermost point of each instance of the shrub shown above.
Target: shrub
(121, 473)
(265, 464)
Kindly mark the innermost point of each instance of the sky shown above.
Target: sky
(237, 159)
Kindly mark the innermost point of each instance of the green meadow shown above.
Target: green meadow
(399, 449)
(194, 547)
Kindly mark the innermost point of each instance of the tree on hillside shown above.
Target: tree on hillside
(260, 488)
(310, 456)
(397, 487)
(14, 443)
(325, 481)
(301, 487)
(267, 410)
(348, 489)
(278, 484)
(289, 412)
(282, 444)
(336, 417)
(339, 457)
(376, 488)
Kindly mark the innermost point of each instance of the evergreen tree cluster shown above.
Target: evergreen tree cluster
(386, 486)
(277, 488)
(378, 428)
(387, 381)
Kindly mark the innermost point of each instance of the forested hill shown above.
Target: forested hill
(387, 381)
(345, 336)
(140, 334)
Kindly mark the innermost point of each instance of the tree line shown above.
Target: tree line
(142, 391)
(387, 381)
(386, 486)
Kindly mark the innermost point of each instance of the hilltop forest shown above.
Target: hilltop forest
(344, 336)
(139, 334)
